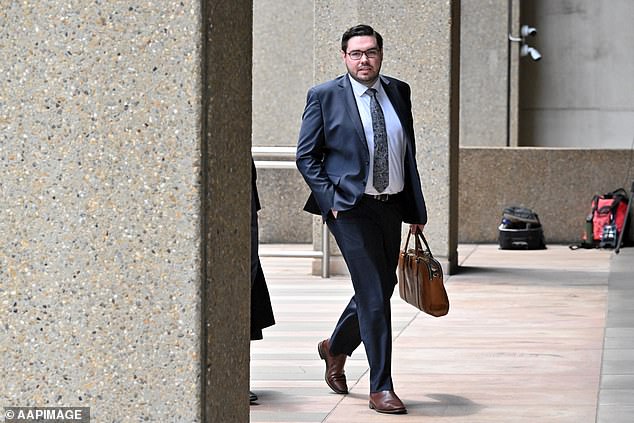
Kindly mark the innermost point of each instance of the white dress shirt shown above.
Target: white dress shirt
(395, 138)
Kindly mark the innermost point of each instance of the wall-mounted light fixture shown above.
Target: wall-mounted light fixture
(526, 50)
(526, 31)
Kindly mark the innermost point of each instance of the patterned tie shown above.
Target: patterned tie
(381, 170)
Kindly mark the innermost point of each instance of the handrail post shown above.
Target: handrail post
(325, 252)
(285, 160)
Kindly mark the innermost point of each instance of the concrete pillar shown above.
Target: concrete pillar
(226, 208)
(124, 208)
(488, 72)
(421, 47)
(579, 95)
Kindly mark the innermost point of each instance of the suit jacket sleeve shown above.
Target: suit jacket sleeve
(310, 154)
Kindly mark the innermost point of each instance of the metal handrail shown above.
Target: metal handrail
(267, 152)
(289, 153)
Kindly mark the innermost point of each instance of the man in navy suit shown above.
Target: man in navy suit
(364, 206)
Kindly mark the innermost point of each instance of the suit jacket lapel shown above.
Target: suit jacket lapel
(395, 99)
(352, 109)
(399, 106)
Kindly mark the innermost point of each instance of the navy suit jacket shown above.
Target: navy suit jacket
(332, 152)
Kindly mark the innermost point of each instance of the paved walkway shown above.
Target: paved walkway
(616, 395)
(523, 342)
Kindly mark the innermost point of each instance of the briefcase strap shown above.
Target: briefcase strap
(418, 236)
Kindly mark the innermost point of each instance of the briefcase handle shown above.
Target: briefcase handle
(418, 236)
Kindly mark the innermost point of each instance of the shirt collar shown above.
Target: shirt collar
(359, 89)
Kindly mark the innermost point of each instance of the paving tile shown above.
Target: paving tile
(619, 333)
(623, 342)
(617, 397)
(617, 381)
(621, 318)
(615, 414)
(618, 367)
(618, 354)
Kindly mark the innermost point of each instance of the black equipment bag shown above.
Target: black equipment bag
(521, 229)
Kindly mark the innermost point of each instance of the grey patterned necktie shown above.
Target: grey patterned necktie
(381, 170)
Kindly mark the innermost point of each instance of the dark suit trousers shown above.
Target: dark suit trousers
(369, 238)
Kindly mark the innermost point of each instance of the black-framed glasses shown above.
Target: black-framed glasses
(372, 53)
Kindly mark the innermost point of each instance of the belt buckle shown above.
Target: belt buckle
(384, 198)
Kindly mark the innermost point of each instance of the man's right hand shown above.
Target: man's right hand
(416, 227)
(334, 213)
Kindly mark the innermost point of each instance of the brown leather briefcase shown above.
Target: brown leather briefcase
(420, 278)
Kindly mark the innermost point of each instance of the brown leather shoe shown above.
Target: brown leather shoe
(387, 402)
(335, 376)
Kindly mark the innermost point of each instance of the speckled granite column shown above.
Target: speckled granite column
(100, 209)
(421, 47)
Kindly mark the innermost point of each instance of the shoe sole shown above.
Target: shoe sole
(396, 411)
(322, 355)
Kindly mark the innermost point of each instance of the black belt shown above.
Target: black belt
(384, 198)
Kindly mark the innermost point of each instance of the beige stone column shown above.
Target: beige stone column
(125, 131)
(421, 47)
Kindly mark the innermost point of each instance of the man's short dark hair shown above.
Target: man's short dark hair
(360, 30)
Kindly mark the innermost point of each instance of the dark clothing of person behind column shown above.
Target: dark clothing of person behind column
(261, 309)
